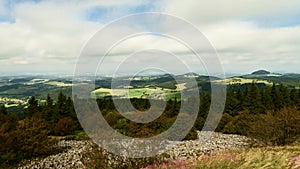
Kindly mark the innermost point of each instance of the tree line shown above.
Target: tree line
(246, 109)
(270, 114)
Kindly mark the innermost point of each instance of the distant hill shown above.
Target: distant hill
(22, 87)
(260, 72)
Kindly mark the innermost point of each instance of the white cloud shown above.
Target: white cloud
(52, 33)
(44, 33)
(246, 45)
(203, 11)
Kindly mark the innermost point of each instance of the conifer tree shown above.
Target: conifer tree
(240, 98)
(284, 95)
(239, 94)
(204, 105)
(253, 99)
(231, 103)
(245, 98)
(293, 96)
(298, 95)
(267, 99)
(32, 108)
(276, 98)
(3, 110)
(48, 109)
(61, 107)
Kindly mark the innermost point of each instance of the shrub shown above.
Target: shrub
(277, 128)
(97, 157)
(64, 126)
(226, 118)
(32, 137)
(24, 139)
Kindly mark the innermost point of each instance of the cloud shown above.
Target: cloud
(52, 33)
(246, 34)
(44, 33)
(203, 11)
(245, 45)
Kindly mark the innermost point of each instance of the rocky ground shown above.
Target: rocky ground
(70, 157)
(71, 154)
(216, 142)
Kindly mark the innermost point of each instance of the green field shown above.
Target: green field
(238, 80)
(145, 93)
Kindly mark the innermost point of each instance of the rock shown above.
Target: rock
(207, 142)
(213, 142)
(70, 158)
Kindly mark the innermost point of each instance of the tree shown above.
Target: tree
(245, 98)
(32, 108)
(284, 95)
(239, 94)
(3, 110)
(275, 98)
(61, 107)
(48, 109)
(204, 105)
(294, 97)
(240, 98)
(267, 99)
(231, 103)
(299, 97)
(252, 100)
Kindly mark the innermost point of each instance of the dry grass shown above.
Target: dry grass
(259, 158)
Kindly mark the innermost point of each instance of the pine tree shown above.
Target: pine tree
(239, 94)
(298, 95)
(284, 95)
(267, 99)
(294, 97)
(204, 105)
(61, 107)
(276, 98)
(48, 109)
(32, 108)
(245, 98)
(252, 100)
(240, 98)
(231, 103)
(263, 98)
(3, 110)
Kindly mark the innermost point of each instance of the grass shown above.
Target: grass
(154, 93)
(78, 135)
(259, 158)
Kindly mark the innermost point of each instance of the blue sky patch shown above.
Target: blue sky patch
(106, 14)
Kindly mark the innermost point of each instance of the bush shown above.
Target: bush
(240, 124)
(226, 118)
(64, 126)
(24, 139)
(277, 128)
(32, 137)
(97, 157)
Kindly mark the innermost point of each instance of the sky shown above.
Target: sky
(48, 36)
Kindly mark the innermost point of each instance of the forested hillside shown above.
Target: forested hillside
(270, 114)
